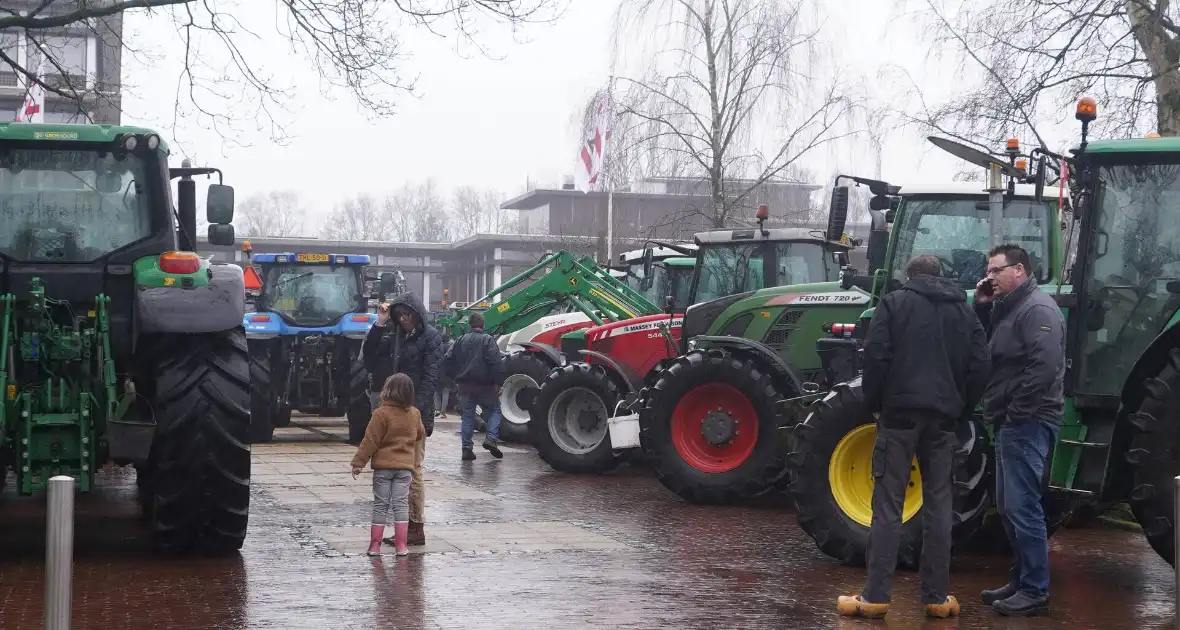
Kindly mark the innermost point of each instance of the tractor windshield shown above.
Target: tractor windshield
(311, 295)
(70, 205)
(1133, 269)
(677, 282)
(729, 268)
(957, 231)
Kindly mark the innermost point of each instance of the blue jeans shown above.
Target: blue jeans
(490, 402)
(1022, 459)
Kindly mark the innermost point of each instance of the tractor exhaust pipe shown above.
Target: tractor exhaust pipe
(59, 553)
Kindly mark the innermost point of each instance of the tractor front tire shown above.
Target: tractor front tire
(359, 407)
(1154, 457)
(710, 429)
(200, 463)
(832, 482)
(524, 372)
(568, 420)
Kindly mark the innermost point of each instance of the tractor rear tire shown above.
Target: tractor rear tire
(572, 444)
(359, 407)
(836, 425)
(200, 471)
(262, 397)
(710, 429)
(1154, 458)
(524, 372)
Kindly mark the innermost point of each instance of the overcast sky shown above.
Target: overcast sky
(493, 123)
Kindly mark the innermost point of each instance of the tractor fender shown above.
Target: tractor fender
(628, 376)
(219, 305)
(761, 352)
(553, 355)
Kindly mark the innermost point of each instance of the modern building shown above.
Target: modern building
(83, 57)
(667, 207)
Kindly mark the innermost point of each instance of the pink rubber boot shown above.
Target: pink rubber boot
(375, 532)
(401, 533)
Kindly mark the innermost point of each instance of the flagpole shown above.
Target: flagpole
(610, 189)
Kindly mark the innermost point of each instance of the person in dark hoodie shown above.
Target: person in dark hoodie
(925, 369)
(403, 341)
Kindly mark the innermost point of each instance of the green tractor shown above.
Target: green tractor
(1121, 298)
(120, 344)
(719, 420)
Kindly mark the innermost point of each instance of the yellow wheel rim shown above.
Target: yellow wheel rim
(850, 475)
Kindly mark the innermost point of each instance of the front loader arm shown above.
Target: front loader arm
(579, 282)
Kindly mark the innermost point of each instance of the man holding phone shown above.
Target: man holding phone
(1025, 400)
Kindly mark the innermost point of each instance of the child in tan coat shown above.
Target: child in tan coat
(392, 441)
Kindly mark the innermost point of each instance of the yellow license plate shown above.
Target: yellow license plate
(312, 258)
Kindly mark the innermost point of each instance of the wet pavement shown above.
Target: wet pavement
(512, 544)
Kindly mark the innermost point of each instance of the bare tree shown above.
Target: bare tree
(738, 106)
(352, 44)
(1033, 58)
(274, 213)
(475, 211)
(361, 218)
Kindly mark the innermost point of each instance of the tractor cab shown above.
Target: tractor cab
(310, 290)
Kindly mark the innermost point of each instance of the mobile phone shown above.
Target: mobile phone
(987, 288)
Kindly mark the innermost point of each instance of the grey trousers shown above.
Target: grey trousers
(391, 496)
(417, 490)
(901, 435)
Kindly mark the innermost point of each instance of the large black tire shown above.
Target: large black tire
(359, 407)
(578, 445)
(524, 372)
(844, 536)
(726, 466)
(199, 473)
(263, 405)
(1154, 457)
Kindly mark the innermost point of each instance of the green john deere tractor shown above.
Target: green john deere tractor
(721, 417)
(119, 343)
(1121, 297)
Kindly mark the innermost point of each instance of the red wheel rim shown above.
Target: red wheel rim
(687, 420)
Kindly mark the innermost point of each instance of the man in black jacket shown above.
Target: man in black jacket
(1025, 400)
(415, 348)
(925, 368)
(477, 367)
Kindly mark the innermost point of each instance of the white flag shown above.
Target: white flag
(32, 110)
(588, 174)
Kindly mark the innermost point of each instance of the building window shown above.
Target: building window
(70, 54)
(10, 45)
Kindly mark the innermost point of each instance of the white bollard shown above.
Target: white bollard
(59, 553)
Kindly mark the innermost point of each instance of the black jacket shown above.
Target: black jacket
(475, 361)
(1027, 344)
(925, 350)
(388, 350)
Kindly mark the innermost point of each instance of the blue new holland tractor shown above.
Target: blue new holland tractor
(304, 336)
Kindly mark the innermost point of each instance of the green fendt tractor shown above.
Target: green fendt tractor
(1121, 298)
(719, 420)
(119, 343)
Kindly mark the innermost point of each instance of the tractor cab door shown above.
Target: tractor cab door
(1130, 272)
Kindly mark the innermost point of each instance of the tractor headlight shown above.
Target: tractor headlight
(129, 142)
(153, 142)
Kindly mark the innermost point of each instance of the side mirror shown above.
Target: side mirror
(669, 303)
(648, 262)
(842, 259)
(221, 234)
(1039, 196)
(880, 202)
(878, 240)
(219, 204)
(837, 213)
(387, 283)
(847, 278)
